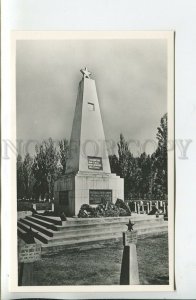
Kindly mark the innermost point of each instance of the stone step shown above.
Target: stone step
(76, 230)
(73, 243)
(110, 232)
(20, 232)
(107, 221)
(79, 236)
(82, 223)
(43, 223)
(70, 225)
(38, 235)
(133, 218)
(58, 246)
(38, 227)
(82, 238)
(88, 232)
(49, 219)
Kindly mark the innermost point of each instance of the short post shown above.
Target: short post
(138, 208)
(164, 209)
(34, 206)
(52, 206)
(142, 208)
(161, 203)
(129, 269)
(148, 207)
(157, 204)
(135, 206)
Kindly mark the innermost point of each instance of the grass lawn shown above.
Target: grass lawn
(102, 265)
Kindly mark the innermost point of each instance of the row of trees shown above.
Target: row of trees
(36, 176)
(145, 176)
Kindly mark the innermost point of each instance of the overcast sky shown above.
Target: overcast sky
(131, 81)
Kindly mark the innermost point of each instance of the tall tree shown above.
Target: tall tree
(114, 164)
(126, 162)
(20, 178)
(63, 154)
(160, 161)
(144, 163)
(45, 168)
(28, 175)
(123, 153)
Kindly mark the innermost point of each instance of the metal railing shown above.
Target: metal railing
(145, 206)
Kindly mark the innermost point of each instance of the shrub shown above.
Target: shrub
(87, 211)
(122, 212)
(131, 205)
(111, 210)
(106, 209)
(121, 204)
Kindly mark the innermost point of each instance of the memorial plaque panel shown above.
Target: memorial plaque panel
(97, 196)
(129, 237)
(95, 163)
(64, 197)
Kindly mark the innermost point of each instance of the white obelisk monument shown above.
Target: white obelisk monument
(88, 178)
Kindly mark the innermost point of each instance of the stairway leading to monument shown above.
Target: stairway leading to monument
(51, 232)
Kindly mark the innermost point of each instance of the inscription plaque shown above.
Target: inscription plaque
(129, 237)
(64, 197)
(95, 163)
(97, 196)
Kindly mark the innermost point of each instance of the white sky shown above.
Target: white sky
(131, 80)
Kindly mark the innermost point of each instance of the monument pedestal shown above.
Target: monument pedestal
(73, 190)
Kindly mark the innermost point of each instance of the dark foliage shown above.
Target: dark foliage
(125, 210)
(87, 211)
(145, 176)
(153, 211)
(106, 209)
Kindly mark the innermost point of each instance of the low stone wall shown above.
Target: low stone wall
(28, 206)
(24, 206)
(43, 206)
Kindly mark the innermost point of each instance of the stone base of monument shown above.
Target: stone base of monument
(52, 233)
(71, 191)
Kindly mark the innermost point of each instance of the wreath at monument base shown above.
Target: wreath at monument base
(105, 209)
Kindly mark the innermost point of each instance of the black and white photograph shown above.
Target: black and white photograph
(94, 166)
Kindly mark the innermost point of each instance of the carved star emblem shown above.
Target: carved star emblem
(130, 225)
(85, 73)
